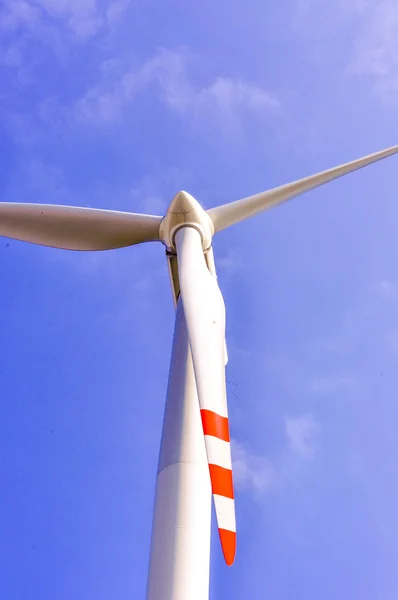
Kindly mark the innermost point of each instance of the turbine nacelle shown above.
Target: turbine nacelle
(185, 211)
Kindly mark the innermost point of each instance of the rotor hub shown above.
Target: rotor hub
(185, 211)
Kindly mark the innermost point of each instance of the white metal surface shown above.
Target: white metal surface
(205, 318)
(234, 212)
(180, 548)
(185, 210)
(76, 228)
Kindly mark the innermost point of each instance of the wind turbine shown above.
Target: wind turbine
(195, 437)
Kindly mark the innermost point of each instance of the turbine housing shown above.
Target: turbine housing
(185, 211)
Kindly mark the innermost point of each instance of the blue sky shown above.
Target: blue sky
(119, 105)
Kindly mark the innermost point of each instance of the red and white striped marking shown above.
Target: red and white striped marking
(218, 447)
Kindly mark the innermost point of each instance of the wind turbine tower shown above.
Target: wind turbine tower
(195, 455)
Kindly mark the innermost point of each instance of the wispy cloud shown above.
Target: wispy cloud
(252, 473)
(81, 18)
(387, 288)
(115, 10)
(229, 262)
(153, 193)
(168, 74)
(367, 35)
(329, 384)
(376, 45)
(370, 318)
(302, 433)
(258, 474)
(34, 33)
(19, 15)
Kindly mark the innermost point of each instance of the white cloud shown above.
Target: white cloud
(252, 472)
(369, 322)
(387, 288)
(38, 179)
(228, 262)
(392, 341)
(330, 384)
(82, 18)
(372, 51)
(230, 95)
(153, 193)
(19, 14)
(376, 45)
(167, 74)
(115, 10)
(317, 20)
(258, 475)
(302, 433)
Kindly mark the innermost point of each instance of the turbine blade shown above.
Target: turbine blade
(228, 214)
(73, 228)
(205, 318)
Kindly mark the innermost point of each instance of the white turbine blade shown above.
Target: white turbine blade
(74, 228)
(205, 319)
(228, 214)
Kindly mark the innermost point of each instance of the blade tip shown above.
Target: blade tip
(228, 545)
